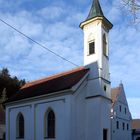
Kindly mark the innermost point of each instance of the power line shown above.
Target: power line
(44, 47)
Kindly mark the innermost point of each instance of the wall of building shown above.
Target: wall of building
(90, 115)
(34, 112)
(123, 117)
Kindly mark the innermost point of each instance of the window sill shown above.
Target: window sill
(90, 54)
(19, 138)
(47, 138)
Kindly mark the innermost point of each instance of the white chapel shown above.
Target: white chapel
(73, 105)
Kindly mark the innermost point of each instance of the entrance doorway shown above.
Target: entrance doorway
(105, 134)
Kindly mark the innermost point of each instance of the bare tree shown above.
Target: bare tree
(133, 8)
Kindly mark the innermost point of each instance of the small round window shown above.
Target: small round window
(105, 88)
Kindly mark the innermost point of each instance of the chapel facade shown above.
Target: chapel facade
(73, 105)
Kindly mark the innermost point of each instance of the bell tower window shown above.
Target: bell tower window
(91, 48)
(104, 45)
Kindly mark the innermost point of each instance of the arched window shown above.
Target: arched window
(49, 124)
(20, 126)
(104, 45)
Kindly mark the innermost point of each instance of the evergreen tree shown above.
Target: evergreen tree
(12, 84)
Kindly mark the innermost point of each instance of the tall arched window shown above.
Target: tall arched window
(104, 45)
(20, 126)
(49, 124)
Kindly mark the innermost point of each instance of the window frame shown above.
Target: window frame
(105, 47)
(48, 134)
(123, 126)
(125, 110)
(105, 88)
(20, 126)
(127, 126)
(120, 108)
(117, 124)
(90, 42)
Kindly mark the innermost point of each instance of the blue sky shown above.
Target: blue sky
(55, 24)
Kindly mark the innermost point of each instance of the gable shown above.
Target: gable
(46, 86)
(118, 95)
(122, 97)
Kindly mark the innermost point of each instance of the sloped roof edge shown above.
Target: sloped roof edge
(59, 82)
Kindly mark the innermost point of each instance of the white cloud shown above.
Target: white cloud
(134, 104)
(125, 58)
(51, 12)
(28, 60)
(57, 27)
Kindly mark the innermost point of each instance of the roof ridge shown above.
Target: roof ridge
(39, 81)
(136, 119)
(115, 88)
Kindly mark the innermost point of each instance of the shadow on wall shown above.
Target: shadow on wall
(4, 137)
(94, 69)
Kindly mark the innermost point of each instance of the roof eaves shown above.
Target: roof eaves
(38, 97)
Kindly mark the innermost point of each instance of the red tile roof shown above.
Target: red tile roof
(136, 124)
(2, 115)
(55, 83)
(115, 93)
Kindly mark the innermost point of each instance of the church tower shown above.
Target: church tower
(96, 28)
(96, 47)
